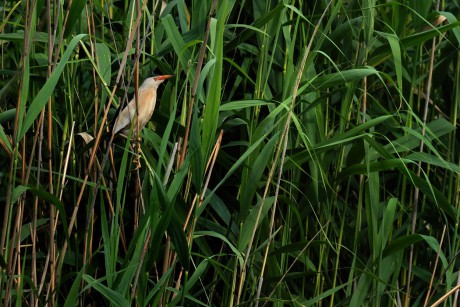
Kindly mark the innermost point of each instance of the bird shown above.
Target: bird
(147, 96)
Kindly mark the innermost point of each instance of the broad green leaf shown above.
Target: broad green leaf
(387, 222)
(176, 40)
(18, 36)
(129, 271)
(383, 52)
(47, 90)
(437, 128)
(74, 14)
(452, 20)
(250, 222)
(376, 166)
(257, 169)
(239, 105)
(315, 300)
(109, 294)
(27, 228)
(17, 192)
(158, 230)
(7, 116)
(339, 78)
(404, 242)
(197, 163)
(340, 139)
(232, 169)
(396, 52)
(179, 240)
(178, 181)
(73, 294)
(161, 284)
(433, 160)
(224, 239)
(196, 277)
(104, 64)
(213, 99)
(258, 23)
(45, 196)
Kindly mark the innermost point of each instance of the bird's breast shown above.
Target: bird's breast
(147, 101)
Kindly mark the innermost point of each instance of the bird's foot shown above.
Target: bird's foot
(137, 155)
(137, 162)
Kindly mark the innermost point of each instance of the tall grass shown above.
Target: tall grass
(304, 154)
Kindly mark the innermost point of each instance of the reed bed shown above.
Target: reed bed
(305, 153)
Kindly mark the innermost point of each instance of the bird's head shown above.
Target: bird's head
(155, 81)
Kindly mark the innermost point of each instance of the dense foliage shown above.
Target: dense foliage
(304, 153)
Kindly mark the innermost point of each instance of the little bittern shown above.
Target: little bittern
(147, 96)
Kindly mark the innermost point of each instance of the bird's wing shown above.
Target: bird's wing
(125, 117)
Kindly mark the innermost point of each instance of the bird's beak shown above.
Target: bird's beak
(164, 77)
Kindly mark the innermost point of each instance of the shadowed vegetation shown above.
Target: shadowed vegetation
(305, 153)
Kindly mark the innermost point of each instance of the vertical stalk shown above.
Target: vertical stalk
(419, 166)
(88, 239)
(280, 155)
(52, 246)
(136, 129)
(195, 84)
